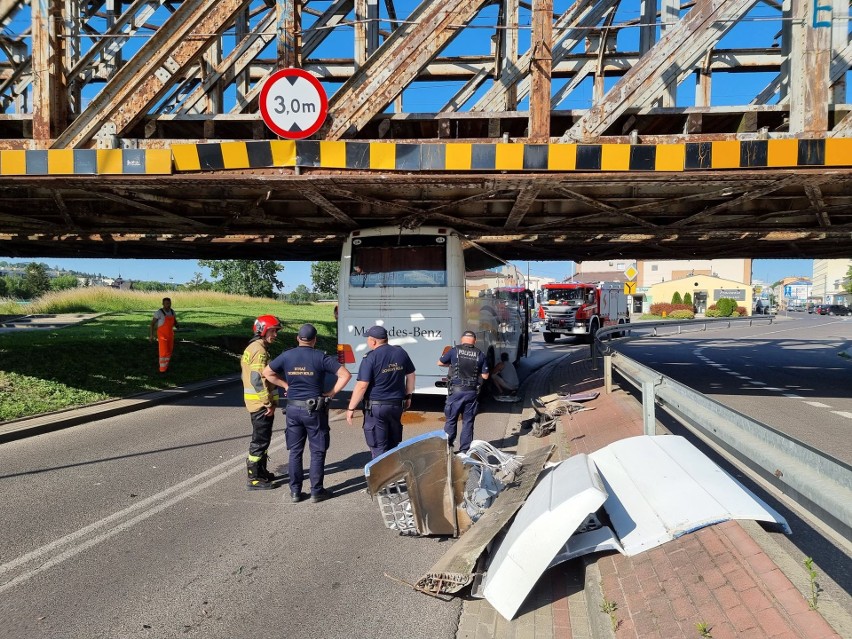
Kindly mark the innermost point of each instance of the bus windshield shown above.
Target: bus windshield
(398, 261)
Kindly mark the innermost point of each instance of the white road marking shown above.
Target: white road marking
(764, 387)
(66, 547)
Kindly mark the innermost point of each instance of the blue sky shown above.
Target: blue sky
(295, 273)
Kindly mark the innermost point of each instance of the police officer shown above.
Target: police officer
(302, 371)
(468, 368)
(261, 398)
(385, 383)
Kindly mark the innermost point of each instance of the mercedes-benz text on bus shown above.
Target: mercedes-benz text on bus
(427, 286)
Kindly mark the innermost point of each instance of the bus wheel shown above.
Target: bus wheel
(550, 337)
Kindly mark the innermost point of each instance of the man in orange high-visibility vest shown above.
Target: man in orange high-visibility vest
(165, 322)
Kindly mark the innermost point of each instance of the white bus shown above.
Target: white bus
(427, 286)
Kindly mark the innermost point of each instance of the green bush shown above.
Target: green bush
(712, 312)
(682, 314)
(676, 299)
(687, 298)
(661, 307)
(726, 307)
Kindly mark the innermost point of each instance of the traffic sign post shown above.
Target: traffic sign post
(293, 104)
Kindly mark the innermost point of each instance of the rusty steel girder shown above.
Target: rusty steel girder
(146, 77)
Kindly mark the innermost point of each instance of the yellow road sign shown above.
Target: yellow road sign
(630, 288)
(630, 272)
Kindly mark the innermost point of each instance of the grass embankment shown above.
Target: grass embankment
(110, 356)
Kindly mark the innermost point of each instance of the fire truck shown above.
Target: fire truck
(581, 309)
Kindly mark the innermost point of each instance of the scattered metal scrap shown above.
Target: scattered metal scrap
(652, 489)
(456, 569)
(548, 409)
(419, 485)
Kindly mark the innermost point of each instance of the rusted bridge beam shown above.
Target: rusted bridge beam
(50, 98)
(542, 61)
(397, 62)
(679, 49)
(147, 75)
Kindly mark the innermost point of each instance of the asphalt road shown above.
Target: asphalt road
(788, 375)
(140, 526)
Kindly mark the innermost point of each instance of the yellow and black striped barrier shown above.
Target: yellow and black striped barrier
(452, 156)
(86, 162)
(432, 157)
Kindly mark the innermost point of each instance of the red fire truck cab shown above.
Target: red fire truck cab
(577, 308)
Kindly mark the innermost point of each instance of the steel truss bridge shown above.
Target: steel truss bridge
(656, 129)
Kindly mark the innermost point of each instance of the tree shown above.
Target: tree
(198, 283)
(18, 287)
(4, 288)
(324, 275)
(847, 283)
(256, 278)
(301, 295)
(676, 299)
(63, 283)
(687, 298)
(36, 280)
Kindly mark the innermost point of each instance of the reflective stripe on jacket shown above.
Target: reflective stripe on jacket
(257, 391)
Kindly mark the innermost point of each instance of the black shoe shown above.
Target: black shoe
(262, 472)
(321, 495)
(296, 497)
(259, 484)
(256, 481)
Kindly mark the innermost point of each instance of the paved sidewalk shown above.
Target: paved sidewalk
(718, 579)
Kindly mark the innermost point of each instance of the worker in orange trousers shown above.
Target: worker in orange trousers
(165, 322)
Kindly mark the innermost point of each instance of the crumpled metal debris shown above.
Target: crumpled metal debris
(549, 408)
(419, 486)
(456, 569)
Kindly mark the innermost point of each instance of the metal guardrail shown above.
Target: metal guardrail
(676, 327)
(816, 481)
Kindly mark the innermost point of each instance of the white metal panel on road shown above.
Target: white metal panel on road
(557, 506)
(661, 487)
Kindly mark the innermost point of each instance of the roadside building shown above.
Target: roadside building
(705, 291)
(653, 272)
(828, 282)
(793, 293)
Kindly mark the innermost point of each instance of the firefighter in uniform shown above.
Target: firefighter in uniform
(302, 372)
(261, 398)
(385, 383)
(468, 369)
(165, 321)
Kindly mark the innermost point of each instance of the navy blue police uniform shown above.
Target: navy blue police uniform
(467, 364)
(384, 368)
(304, 369)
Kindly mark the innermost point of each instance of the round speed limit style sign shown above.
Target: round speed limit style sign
(293, 103)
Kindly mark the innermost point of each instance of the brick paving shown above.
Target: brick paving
(717, 578)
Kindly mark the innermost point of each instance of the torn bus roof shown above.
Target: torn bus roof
(653, 488)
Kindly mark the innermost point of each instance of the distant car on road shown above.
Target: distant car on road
(762, 307)
(834, 309)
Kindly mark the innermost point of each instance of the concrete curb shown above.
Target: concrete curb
(48, 422)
